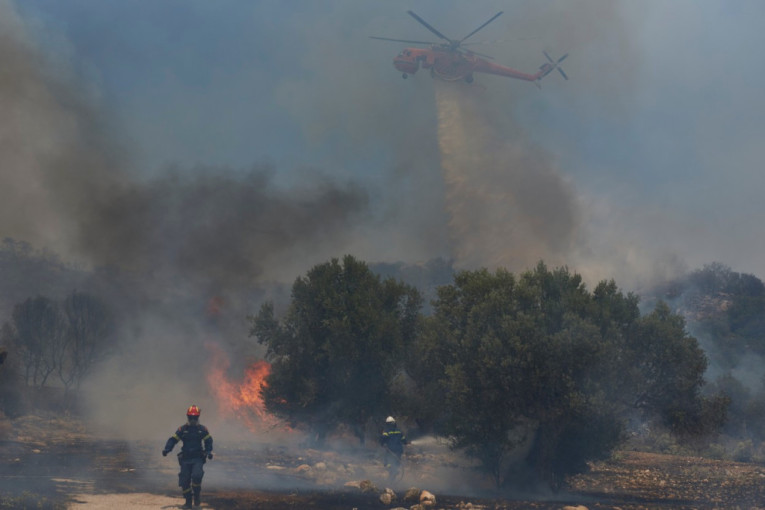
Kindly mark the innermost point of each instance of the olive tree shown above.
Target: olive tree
(538, 360)
(337, 349)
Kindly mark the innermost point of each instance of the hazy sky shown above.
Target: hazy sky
(657, 137)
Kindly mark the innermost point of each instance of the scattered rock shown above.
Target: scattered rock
(578, 507)
(386, 499)
(303, 468)
(367, 486)
(470, 506)
(327, 478)
(427, 499)
(320, 466)
(412, 495)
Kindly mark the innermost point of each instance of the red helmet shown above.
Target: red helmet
(193, 411)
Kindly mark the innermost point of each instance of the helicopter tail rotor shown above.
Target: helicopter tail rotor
(551, 64)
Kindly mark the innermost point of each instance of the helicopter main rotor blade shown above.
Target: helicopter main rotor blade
(479, 28)
(425, 24)
(491, 42)
(484, 55)
(401, 40)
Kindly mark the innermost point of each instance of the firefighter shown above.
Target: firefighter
(393, 440)
(196, 450)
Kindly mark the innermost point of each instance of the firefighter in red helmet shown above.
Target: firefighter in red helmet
(196, 450)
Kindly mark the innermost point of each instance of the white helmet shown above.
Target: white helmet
(390, 419)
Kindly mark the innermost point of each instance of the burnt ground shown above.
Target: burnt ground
(633, 480)
(57, 465)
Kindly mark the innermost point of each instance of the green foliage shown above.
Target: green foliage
(666, 366)
(730, 307)
(746, 412)
(339, 347)
(505, 357)
(726, 310)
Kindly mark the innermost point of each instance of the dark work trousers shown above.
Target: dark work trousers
(191, 473)
(393, 462)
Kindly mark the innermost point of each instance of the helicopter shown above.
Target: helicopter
(449, 62)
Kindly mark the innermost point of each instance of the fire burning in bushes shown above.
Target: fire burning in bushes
(242, 399)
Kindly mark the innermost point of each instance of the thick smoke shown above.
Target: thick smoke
(66, 187)
(221, 228)
(45, 137)
(178, 238)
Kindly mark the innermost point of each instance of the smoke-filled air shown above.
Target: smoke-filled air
(506, 202)
(189, 190)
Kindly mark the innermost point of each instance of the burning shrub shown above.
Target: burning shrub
(241, 399)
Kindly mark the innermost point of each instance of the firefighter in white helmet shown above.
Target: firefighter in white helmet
(393, 440)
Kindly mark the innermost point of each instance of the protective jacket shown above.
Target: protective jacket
(393, 439)
(197, 441)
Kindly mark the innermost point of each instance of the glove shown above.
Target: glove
(165, 452)
(209, 455)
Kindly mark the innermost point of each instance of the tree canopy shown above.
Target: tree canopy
(339, 346)
(538, 362)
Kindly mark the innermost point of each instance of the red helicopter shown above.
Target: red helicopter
(448, 62)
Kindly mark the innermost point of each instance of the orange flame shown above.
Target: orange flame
(241, 400)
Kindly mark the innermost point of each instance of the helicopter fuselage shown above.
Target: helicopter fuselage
(452, 65)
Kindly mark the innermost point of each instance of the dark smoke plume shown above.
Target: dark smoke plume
(66, 186)
(221, 227)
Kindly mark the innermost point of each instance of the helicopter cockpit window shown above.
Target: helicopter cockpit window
(407, 53)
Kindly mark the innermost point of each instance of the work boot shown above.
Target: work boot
(188, 501)
(197, 490)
